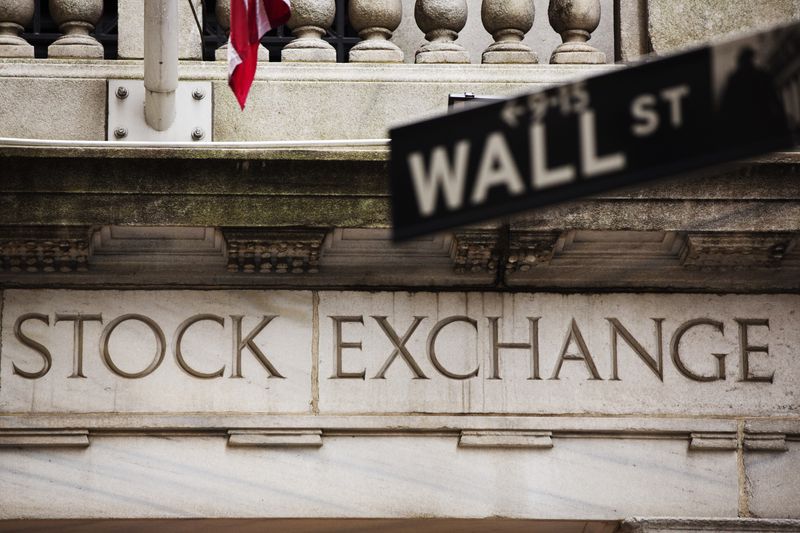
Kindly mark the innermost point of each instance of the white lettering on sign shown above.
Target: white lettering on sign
(644, 110)
(448, 170)
(440, 175)
(497, 168)
(592, 163)
(544, 177)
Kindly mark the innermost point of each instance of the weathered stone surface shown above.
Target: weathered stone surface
(133, 347)
(678, 24)
(376, 20)
(309, 21)
(14, 16)
(441, 21)
(362, 106)
(773, 481)
(357, 101)
(32, 108)
(631, 36)
(293, 525)
(131, 30)
(699, 525)
(19, 12)
(368, 476)
(76, 19)
(508, 22)
(575, 21)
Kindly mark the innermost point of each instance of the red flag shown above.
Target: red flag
(250, 20)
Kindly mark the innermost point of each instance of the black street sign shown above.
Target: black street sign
(661, 118)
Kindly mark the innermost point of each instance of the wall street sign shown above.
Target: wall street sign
(668, 116)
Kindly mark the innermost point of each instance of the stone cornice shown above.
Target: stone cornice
(734, 230)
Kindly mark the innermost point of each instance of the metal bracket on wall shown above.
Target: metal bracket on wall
(193, 113)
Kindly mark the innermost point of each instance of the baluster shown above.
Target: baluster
(223, 14)
(76, 18)
(309, 23)
(14, 16)
(508, 21)
(575, 20)
(441, 20)
(375, 21)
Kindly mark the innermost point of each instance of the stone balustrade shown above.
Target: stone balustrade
(376, 22)
(14, 16)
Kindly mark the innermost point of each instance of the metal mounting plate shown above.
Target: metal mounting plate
(193, 113)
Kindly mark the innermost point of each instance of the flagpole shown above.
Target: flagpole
(160, 62)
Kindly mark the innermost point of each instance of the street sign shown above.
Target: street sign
(664, 117)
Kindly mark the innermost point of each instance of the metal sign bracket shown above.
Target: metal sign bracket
(193, 113)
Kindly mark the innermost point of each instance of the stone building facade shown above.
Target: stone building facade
(224, 330)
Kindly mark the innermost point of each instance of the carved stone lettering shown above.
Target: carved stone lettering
(340, 345)
(575, 336)
(676, 354)
(104, 351)
(77, 342)
(432, 347)
(656, 365)
(32, 344)
(399, 347)
(240, 344)
(160, 346)
(745, 349)
(181, 331)
(532, 345)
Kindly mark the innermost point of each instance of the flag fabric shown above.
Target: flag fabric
(250, 20)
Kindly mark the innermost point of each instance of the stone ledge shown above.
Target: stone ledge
(535, 440)
(208, 70)
(732, 525)
(713, 442)
(270, 438)
(678, 428)
(44, 438)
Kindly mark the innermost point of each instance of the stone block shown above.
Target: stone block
(773, 482)
(84, 48)
(367, 476)
(460, 376)
(362, 101)
(674, 25)
(53, 108)
(133, 346)
(131, 30)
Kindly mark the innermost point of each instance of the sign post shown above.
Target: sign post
(665, 117)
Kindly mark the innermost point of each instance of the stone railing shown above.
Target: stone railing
(76, 20)
(507, 21)
(441, 21)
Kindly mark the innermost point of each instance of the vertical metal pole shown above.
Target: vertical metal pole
(160, 62)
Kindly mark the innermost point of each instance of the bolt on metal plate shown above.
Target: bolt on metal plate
(193, 113)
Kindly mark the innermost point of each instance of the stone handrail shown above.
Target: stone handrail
(507, 21)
